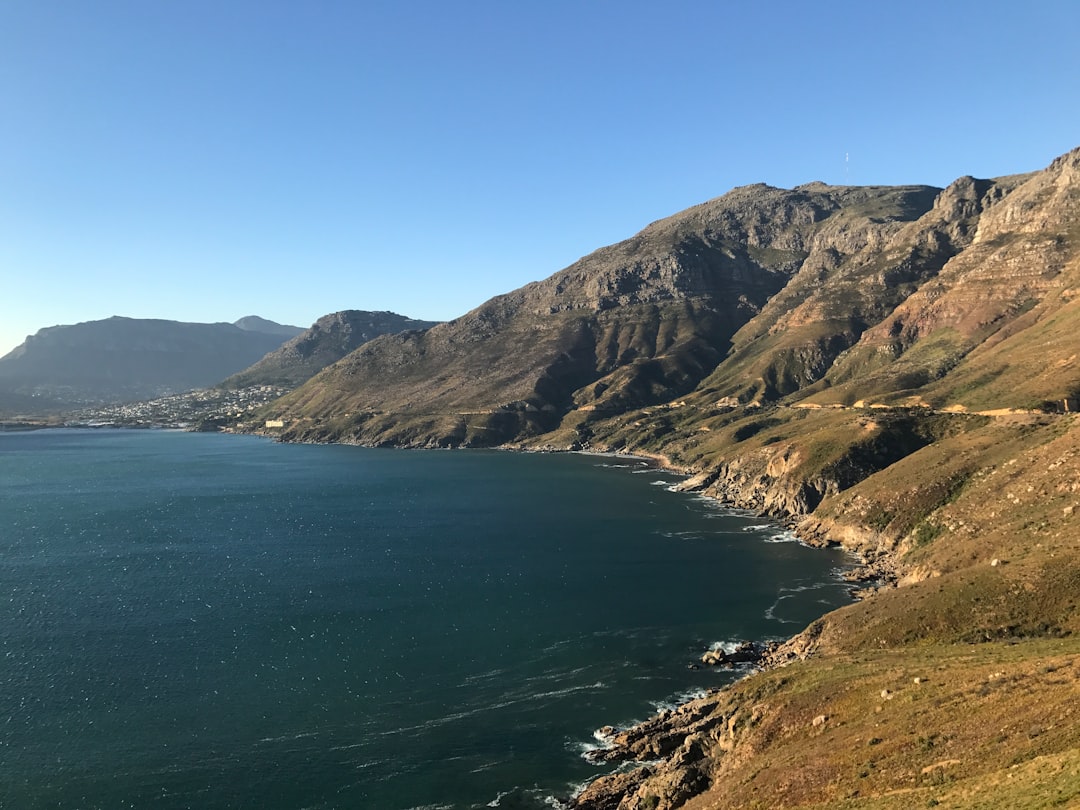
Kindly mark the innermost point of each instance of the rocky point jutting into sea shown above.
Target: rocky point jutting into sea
(894, 369)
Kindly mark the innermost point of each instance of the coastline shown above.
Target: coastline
(666, 755)
(669, 755)
(670, 747)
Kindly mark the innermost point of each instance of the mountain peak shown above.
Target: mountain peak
(253, 323)
(759, 294)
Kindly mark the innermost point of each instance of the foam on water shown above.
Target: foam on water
(677, 700)
(759, 527)
(725, 646)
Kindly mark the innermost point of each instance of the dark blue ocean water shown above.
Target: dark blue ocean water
(207, 621)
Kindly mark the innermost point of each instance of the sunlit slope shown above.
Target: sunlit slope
(633, 324)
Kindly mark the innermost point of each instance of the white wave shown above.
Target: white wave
(758, 527)
(583, 748)
(678, 700)
(725, 646)
(814, 586)
(782, 537)
(289, 737)
(560, 692)
(770, 614)
(602, 738)
(556, 675)
(498, 798)
(681, 535)
(502, 704)
(483, 676)
(602, 742)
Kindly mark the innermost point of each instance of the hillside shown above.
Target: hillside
(328, 340)
(892, 369)
(634, 324)
(126, 359)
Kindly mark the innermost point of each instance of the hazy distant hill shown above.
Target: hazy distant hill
(328, 340)
(124, 359)
(253, 323)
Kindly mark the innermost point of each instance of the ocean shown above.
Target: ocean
(211, 621)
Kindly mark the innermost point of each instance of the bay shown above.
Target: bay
(194, 620)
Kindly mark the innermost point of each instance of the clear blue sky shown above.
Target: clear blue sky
(202, 161)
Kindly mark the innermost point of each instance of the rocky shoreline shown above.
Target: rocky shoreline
(670, 757)
(676, 748)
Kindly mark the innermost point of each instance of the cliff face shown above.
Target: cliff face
(633, 324)
(893, 369)
(993, 329)
(908, 295)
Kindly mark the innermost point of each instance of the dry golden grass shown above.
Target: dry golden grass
(968, 726)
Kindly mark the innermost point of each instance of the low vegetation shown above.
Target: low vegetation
(894, 370)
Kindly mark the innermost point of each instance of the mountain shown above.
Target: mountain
(912, 295)
(329, 339)
(894, 370)
(125, 359)
(253, 323)
(634, 324)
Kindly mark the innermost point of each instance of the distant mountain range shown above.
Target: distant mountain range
(125, 359)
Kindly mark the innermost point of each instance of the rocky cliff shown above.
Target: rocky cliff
(633, 324)
(892, 369)
(909, 295)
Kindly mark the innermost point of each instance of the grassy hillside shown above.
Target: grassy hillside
(894, 370)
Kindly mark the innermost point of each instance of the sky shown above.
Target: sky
(203, 161)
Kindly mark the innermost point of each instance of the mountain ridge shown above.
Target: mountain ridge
(788, 279)
(126, 359)
(891, 369)
(329, 339)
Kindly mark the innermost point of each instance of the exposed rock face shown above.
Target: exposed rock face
(674, 744)
(632, 324)
(328, 340)
(891, 369)
(125, 359)
(830, 294)
(997, 317)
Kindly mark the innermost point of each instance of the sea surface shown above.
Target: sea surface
(209, 621)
